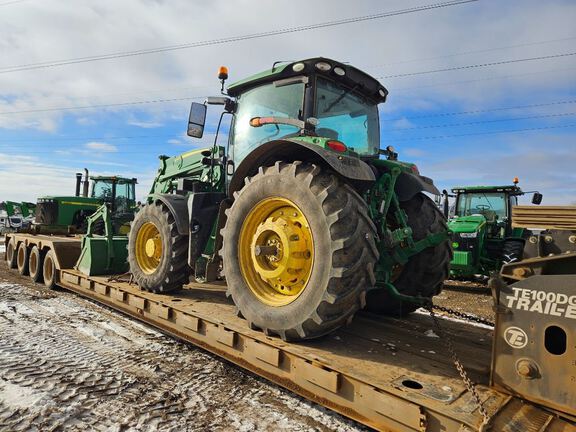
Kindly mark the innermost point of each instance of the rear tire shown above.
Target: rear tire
(11, 254)
(22, 256)
(424, 274)
(36, 261)
(49, 270)
(157, 253)
(332, 218)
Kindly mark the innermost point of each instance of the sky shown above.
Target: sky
(480, 92)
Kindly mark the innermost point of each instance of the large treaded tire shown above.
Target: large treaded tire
(173, 270)
(512, 251)
(425, 272)
(345, 251)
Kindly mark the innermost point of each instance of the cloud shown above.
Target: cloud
(101, 147)
(174, 142)
(145, 125)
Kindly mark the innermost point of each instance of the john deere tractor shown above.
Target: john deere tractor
(482, 235)
(63, 214)
(302, 212)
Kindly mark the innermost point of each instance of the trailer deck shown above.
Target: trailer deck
(389, 374)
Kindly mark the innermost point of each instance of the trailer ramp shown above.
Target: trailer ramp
(389, 374)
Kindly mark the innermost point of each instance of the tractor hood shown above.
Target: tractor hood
(466, 224)
(71, 200)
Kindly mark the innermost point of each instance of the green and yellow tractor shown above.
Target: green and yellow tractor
(483, 238)
(68, 214)
(302, 212)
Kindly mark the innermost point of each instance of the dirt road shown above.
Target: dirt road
(69, 364)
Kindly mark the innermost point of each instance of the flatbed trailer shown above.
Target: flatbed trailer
(389, 374)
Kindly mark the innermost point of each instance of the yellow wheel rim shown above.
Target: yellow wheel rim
(148, 248)
(276, 251)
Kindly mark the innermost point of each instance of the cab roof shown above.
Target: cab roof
(366, 84)
(505, 188)
(117, 178)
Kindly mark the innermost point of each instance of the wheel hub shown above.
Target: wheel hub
(148, 248)
(276, 251)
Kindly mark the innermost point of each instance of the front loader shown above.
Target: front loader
(308, 219)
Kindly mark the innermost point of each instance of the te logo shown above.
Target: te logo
(515, 337)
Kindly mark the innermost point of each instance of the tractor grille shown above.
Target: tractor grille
(47, 213)
(461, 258)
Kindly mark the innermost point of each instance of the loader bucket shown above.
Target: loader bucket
(103, 255)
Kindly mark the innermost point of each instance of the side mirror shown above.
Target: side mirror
(196, 120)
(537, 198)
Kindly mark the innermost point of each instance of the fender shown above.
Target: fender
(178, 206)
(355, 170)
(409, 184)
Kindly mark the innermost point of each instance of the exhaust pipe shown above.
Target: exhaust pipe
(446, 203)
(86, 183)
(78, 182)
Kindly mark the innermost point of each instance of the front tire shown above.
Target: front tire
(423, 275)
(157, 253)
(512, 251)
(299, 251)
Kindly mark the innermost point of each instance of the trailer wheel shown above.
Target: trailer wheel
(11, 254)
(299, 251)
(425, 272)
(49, 270)
(35, 264)
(157, 253)
(22, 259)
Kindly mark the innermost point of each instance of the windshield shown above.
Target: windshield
(265, 101)
(489, 205)
(347, 117)
(102, 190)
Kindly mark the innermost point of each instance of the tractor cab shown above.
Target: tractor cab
(118, 192)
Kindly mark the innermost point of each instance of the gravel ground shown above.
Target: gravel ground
(69, 364)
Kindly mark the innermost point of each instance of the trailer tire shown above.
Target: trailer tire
(22, 256)
(35, 264)
(11, 254)
(49, 273)
(423, 275)
(311, 214)
(157, 252)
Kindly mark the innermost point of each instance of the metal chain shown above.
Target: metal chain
(464, 315)
(459, 366)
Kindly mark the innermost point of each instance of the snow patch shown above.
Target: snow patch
(16, 396)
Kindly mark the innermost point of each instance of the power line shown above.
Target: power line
(12, 2)
(484, 122)
(212, 42)
(474, 66)
(485, 133)
(442, 84)
(475, 52)
(481, 111)
(80, 107)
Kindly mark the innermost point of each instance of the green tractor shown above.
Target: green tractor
(68, 214)
(302, 212)
(483, 238)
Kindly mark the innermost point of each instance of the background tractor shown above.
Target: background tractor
(64, 214)
(299, 211)
(483, 237)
